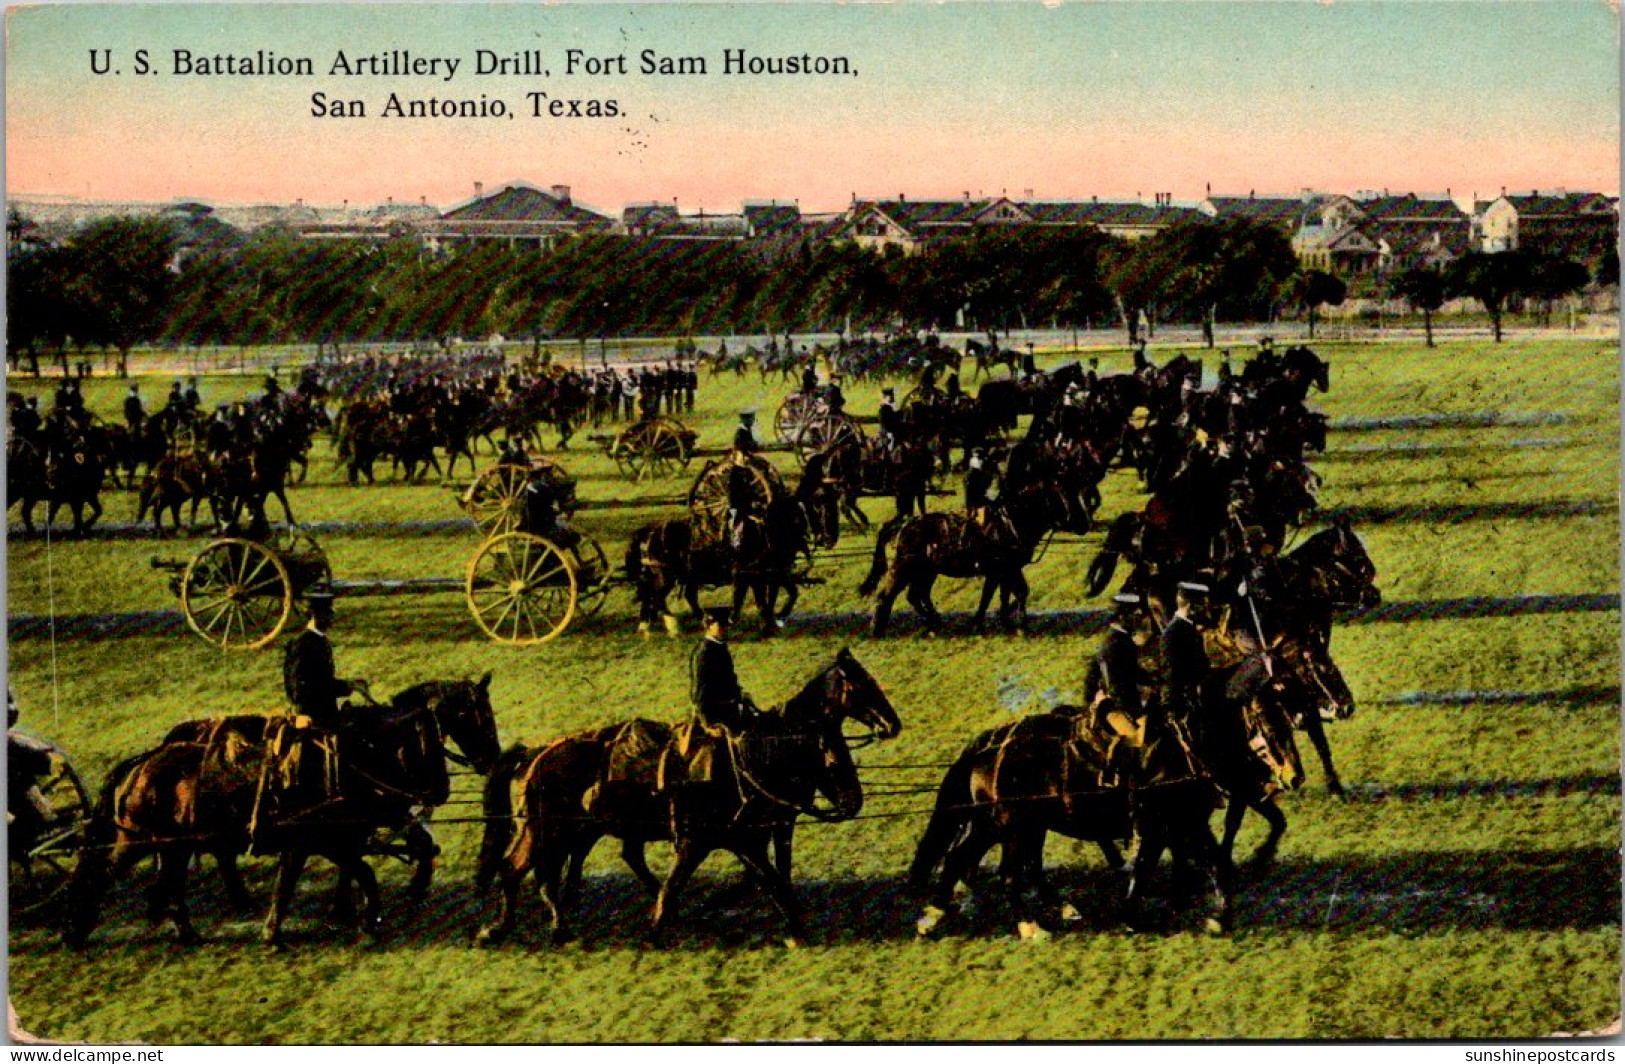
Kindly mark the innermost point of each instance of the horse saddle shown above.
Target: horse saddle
(698, 753)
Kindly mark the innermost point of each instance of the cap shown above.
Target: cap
(319, 594)
(1192, 587)
(1126, 599)
(747, 415)
(718, 615)
(888, 392)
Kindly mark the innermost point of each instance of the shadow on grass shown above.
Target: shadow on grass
(1426, 892)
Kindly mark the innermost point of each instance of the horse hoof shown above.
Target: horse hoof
(1070, 913)
(673, 629)
(1032, 931)
(1213, 926)
(929, 920)
(644, 629)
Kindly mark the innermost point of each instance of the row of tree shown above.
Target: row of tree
(122, 281)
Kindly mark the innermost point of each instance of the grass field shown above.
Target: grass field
(1468, 887)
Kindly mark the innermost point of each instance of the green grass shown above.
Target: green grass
(1432, 904)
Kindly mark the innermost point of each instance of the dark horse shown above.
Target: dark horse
(227, 785)
(1329, 572)
(854, 468)
(665, 556)
(644, 782)
(1015, 784)
(953, 544)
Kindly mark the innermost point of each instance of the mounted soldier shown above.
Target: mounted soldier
(541, 515)
(1184, 657)
(134, 413)
(714, 689)
(891, 422)
(309, 676)
(744, 442)
(1114, 706)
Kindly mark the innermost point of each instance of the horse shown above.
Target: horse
(66, 473)
(858, 467)
(664, 556)
(1330, 571)
(225, 786)
(1015, 784)
(643, 781)
(990, 356)
(957, 545)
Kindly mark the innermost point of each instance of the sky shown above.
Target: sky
(1053, 101)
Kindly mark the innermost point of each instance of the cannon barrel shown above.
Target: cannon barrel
(169, 565)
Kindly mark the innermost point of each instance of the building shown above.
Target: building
(517, 213)
(1583, 226)
(910, 225)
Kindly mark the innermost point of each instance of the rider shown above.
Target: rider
(745, 435)
(134, 412)
(541, 515)
(1115, 676)
(309, 676)
(1184, 657)
(713, 684)
(891, 422)
(28, 761)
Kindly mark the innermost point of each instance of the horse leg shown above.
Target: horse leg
(989, 584)
(1147, 852)
(511, 875)
(1235, 811)
(1317, 735)
(1270, 809)
(231, 877)
(421, 850)
(778, 887)
(762, 592)
(919, 596)
(354, 866)
(689, 856)
(885, 595)
(783, 841)
(287, 511)
(558, 872)
(632, 854)
(172, 867)
(289, 866)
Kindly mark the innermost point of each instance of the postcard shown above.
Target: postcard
(681, 523)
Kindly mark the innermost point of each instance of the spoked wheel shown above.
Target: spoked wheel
(790, 416)
(522, 589)
(495, 499)
(823, 432)
(44, 842)
(305, 559)
(708, 498)
(592, 577)
(237, 594)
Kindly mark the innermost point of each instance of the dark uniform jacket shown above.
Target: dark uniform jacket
(891, 423)
(1116, 671)
(309, 677)
(716, 694)
(1186, 660)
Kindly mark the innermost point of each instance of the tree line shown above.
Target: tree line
(120, 282)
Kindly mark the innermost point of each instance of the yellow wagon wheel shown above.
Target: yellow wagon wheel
(237, 594)
(41, 856)
(822, 432)
(592, 577)
(790, 416)
(495, 499)
(522, 589)
(708, 498)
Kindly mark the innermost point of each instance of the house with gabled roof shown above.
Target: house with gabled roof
(517, 213)
(1412, 230)
(1344, 250)
(1583, 226)
(1287, 213)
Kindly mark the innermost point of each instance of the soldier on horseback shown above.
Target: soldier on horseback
(1112, 686)
(309, 676)
(713, 684)
(134, 413)
(891, 422)
(1184, 657)
(542, 516)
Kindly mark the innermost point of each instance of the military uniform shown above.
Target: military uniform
(715, 688)
(1116, 672)
(1185, 659)
(310, 679)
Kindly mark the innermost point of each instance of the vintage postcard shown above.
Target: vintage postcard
(683, 523)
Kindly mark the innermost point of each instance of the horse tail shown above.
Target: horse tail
(947, 822)
(92, 874)
(1118, 538)
(498, 813)
(877, 568)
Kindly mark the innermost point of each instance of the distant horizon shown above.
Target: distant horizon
(491, 188)
(111, 102)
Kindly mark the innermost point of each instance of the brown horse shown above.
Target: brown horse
(224, 786)
(995, 550)
(644, 782)
(1015, 784)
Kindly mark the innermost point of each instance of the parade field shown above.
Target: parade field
(1466, 886)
